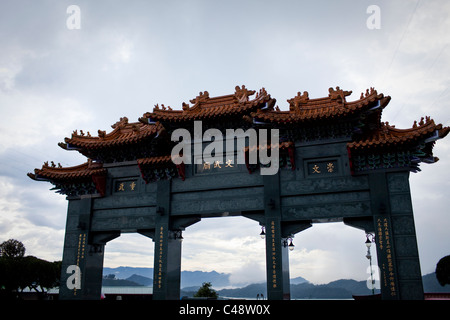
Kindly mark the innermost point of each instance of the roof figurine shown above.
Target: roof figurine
(208, 108)
(302, 108)
(299, 99)
(89, 177)
(243, 93)
(338, 94)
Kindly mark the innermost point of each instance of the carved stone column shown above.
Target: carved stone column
(277, 255)
(167, 265)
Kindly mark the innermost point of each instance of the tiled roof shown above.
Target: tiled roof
(139, 139)
(204, 107)
(163, 160)
(123, 133)
(301, 108)
(389, 135)
(57, 173)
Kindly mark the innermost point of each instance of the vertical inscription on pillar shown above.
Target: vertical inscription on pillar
(160, 257)
(274, 254)
(80, 256)
(385, 247)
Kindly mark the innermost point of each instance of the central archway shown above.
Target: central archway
(231, 246)
(129, 250)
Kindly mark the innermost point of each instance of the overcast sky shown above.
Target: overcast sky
(128, 56)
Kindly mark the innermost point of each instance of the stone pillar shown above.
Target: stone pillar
(167, 265)
(277, 255)
(404, 234)
(396, 244)
(82, 264)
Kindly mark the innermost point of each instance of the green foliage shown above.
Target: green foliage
(443, 271)
(12, 248)
(18, 272)
(206, 291)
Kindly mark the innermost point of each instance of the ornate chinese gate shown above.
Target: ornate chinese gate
(338, 162)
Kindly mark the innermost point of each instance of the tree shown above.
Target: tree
(443, 271)
(18, 272)
(206, 291)
(12, 248)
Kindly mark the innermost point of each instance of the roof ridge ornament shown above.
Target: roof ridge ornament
(101, 134)
(202, 97)
(421, 123)
(338, 94)
(368, 93)
(261, 94)
(300, 98)
(121, 123)
(243, 93)
(185, 106)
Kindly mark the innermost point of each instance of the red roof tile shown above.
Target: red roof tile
(60, 174)
(238, 105)
(301, 108)
(163, 160)
(389, 135)
(205, 107)
(123, 133)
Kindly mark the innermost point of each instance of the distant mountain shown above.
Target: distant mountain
(250, 291)
(298, 280)
(339, 289)
(312, 291)
(431, 285)
(126, 272)
(143, 281)
(188, 278)
(300, 287)
(196, 278)
(119, 283)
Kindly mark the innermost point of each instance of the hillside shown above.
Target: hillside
(188, 278)
(300, 287)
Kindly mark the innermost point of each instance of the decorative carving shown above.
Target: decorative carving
(101, 133)
(338, 94)
(202, 97)
(262, 93)
(327, 211)
(122, 122)
(368, 92)
(299, 99)
(185, 106)
(243, 93)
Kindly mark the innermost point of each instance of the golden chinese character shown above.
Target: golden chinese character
(228, 162)
(217, 164)
(330, 167)
(132, 186)
(121, 187)
(316, 169)
(206, 166)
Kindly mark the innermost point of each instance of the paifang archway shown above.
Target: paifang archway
(337, 162)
